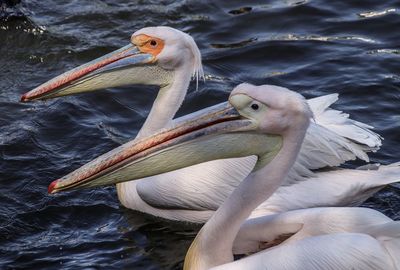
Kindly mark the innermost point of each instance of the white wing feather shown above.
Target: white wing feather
(340, 187)
(257, 234)
(331, 140)
(376, 232)
(341, 251)
(340, 123)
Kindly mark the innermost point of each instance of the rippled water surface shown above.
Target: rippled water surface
(313, 47)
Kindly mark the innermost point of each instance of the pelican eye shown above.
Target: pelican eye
(153, 43)
(255, 106)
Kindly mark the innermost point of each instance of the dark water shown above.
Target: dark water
(314, 47)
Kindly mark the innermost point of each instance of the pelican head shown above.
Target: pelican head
(152, 58)
(251, 123)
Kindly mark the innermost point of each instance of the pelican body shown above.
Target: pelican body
(168, 58)
(270, 123)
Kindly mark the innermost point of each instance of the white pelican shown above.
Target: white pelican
(271, 123)
(267, 231)
(319, 238)
(167, 57)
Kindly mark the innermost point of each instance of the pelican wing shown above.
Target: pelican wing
(201, 187)
(340, 123)
(340, 187)
(268, 230)
(333, 251)
(331, 140)
(389, 235)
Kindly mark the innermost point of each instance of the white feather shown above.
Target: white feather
(340, 251)
(340, 187)
(321, 238)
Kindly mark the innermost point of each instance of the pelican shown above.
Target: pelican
(169, 58)
(269, 122)
(267, 231)
(319, 238)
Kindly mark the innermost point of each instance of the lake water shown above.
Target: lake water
(313, 47)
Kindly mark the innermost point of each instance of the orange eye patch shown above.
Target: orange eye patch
(148, 44)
